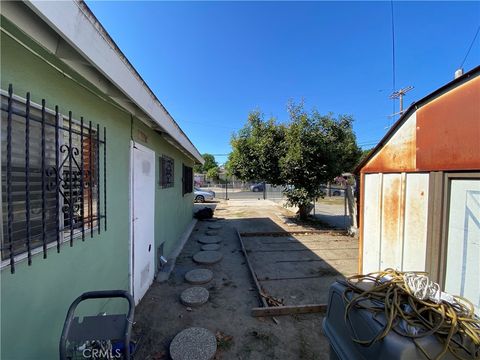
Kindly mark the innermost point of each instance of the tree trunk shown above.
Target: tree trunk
(303, 211)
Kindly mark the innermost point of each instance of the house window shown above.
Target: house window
(51, 188)
(187, 180)
(167, 171)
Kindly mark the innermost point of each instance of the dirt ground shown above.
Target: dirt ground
(314, 261)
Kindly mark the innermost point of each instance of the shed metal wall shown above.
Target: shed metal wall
(448, 130)
(398, 154)
(395, 221)
(441, 135)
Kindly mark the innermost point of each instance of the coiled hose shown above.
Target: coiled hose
(454, 323)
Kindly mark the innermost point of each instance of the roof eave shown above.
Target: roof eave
(88, 37)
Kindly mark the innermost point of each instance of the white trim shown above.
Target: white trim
(39, 249)
(87, 36)
(130, 217)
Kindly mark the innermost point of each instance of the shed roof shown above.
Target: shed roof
(413, 108)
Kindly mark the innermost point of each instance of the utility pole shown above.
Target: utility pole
(399, 94)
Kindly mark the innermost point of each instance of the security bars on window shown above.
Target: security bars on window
(167, 171)
(187, 179)
(50, 178)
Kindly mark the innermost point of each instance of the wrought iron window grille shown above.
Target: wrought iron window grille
(187, 179)
(167, 169)
(51, 183)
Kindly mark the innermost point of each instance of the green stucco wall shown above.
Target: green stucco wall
(35, 299)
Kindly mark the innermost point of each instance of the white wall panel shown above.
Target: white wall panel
(392, 222)
(395, 215)
(371, 222)
(415, 227)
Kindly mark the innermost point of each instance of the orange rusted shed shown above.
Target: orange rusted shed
(448, 130)
(440, 133)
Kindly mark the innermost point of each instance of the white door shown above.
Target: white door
(143, 216)
(463, 240)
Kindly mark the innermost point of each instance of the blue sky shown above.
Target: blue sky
(210, 63)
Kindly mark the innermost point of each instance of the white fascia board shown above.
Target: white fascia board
(82, 31)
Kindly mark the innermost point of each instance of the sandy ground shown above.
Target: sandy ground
(317, 259)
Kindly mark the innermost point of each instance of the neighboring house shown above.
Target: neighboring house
(199, 179)
(89, 207)
(420, 191)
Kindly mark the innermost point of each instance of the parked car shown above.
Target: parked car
(334, 191)
(338, 192)
(203, 195)
(257, 187)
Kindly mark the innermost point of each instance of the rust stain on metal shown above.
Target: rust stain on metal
(391, 210)
(443, 134)
(398, 154)
(448, 134)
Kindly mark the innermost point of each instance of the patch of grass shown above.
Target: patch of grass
(224, 342)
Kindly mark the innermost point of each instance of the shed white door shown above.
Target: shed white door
(143, 216)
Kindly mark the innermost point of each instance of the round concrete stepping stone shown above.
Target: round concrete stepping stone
(193, 344)
(215, 227)
(210, 247)
(194, 296)
(207, 257)
(209, 239)
(211, 232)
(199, 276)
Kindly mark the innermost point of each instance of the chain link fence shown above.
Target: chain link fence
(337, 208)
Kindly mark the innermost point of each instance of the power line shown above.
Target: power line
(396, 94)
(393, 54)
(393, 47)
(470, 47)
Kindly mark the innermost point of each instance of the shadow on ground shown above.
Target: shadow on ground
(314, 261)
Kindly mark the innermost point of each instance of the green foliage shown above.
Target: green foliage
(310, 150)
(209, 164)
(257, 149)
(365, 153)
(212, 173)
(228, 168)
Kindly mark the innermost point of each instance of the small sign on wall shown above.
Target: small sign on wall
(142, 136)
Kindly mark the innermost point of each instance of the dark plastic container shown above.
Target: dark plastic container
(364, 326)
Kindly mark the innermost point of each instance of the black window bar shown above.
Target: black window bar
(167, 169)
(187, 179)
(51, 186)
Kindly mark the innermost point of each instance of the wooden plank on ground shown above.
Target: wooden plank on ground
(298, 232)
(252, 272)
(289, 310)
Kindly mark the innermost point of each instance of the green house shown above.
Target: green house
(96, 174)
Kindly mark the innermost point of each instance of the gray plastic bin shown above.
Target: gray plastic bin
(364, 327)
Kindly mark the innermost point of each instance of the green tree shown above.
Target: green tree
(209, 163)
(308, 151)
(257, 149)
(212, 173)
(365, 153)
